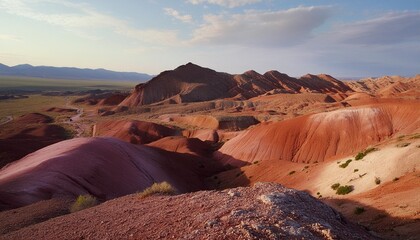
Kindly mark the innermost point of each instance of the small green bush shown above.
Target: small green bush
(292, 172)
(361, 155)
(343, 190)
(359, 210)
(163, 188)
(344, 165)
(83, 202)
(377, 180)
(335, 186)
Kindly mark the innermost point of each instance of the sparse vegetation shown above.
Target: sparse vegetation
(343, 190)
(335, 186)
(344, 165)
(359, 210)
(356, 170)
(377, 180)
(83, 202)
(395, 179)
(361, 155)
(416, 136)
(292, 172)
(401, 145)
(163, 188)
(256, 162)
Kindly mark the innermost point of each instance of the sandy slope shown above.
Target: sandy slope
(392, 206)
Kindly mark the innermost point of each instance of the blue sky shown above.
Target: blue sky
(356, 38)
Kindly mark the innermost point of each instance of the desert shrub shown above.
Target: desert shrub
(163, 188)
(256, 162)
(416, 136)
(395, 179)
(343, 190)
(356, 170)
(401, 145)
(83, 202)
(361, 155)
(344, 165)
(335, 186)
(292, 172)
(377, 180)
(359, 210)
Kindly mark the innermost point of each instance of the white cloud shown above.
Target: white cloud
(175, 14)
(225, 3)
(259, 28)
(84, 18)
(394, 27)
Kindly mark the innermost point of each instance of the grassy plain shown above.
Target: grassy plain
(10, 85)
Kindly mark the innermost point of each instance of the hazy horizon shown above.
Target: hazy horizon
(340, 38)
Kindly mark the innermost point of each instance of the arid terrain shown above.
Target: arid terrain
(248, 156)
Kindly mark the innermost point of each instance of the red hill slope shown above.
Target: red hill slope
(192, 83)
(137, 132)
(104, 167)
(322, 136)
(264, 211)
(386, 86)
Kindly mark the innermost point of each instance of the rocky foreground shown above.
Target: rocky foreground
(264, 211)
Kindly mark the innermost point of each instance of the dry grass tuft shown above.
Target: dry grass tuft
(163, 188)
(83, 202)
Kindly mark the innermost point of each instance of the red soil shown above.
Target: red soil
(265, 211)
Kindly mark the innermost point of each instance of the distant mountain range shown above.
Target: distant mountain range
(26, 70)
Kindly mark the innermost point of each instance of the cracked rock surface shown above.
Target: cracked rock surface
(264, 211)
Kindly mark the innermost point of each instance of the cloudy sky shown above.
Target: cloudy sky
(357, 38)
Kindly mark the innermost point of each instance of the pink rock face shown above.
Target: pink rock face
(323, 136)
(104, 167)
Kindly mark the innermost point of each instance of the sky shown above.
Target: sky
(358, 38)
